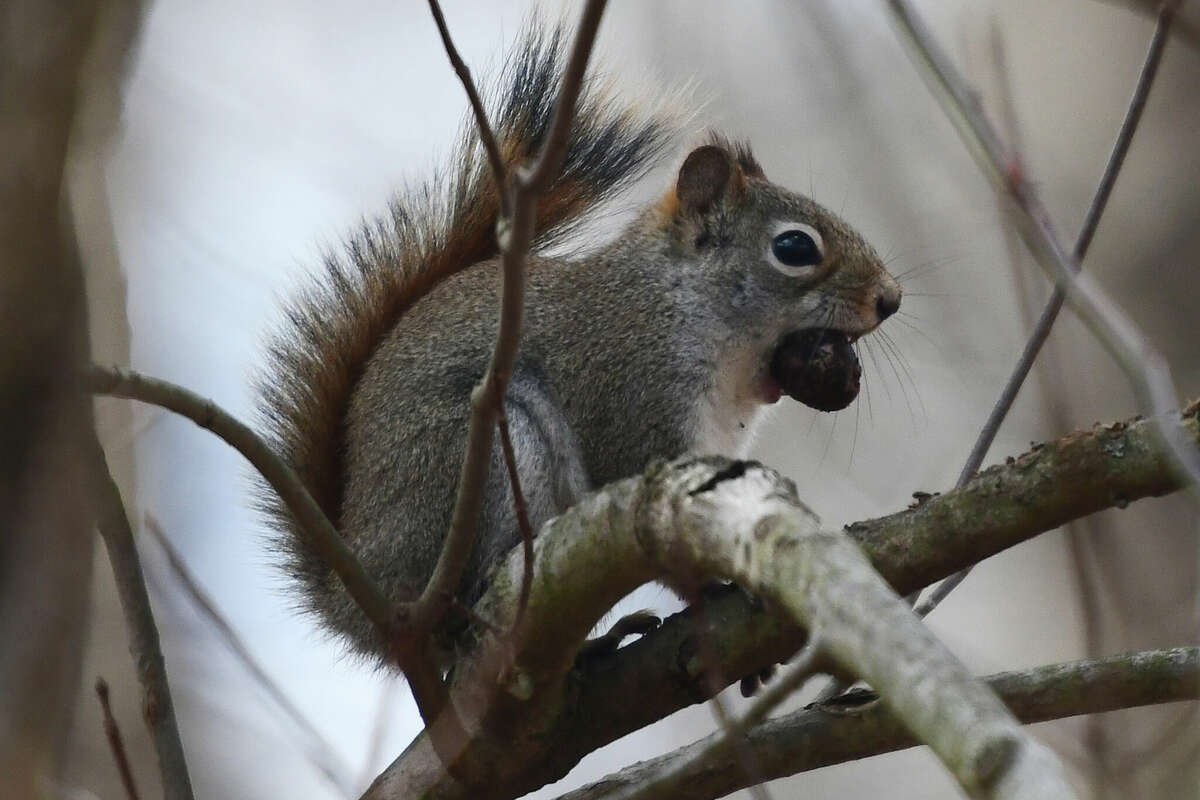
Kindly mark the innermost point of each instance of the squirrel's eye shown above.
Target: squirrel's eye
(796, 248)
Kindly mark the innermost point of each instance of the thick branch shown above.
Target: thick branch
(744, 531)
(46, 534)
(1048, 486)
(588, 558)
(1052, 484)
(814, 738)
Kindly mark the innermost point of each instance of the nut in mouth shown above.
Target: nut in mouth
(818, 367)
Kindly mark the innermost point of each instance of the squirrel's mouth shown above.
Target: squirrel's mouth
(816, 366)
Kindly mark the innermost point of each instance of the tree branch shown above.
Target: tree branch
(46, 533)
(522, 511)
(728, 743)
(112, 732)
(743, 531)
(1143, 365)
(157, 706)
(814, 738)
(282, 478)
(486, 135)
(413, 659)
(547, 732)
(541, 723)
(1045, 323)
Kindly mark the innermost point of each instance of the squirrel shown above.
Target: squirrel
(716, 300)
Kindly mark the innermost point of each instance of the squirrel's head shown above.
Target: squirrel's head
(806, 282)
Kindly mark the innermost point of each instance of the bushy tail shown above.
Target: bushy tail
(432, 232)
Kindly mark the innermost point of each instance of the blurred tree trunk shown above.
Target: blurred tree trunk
(98, 124)
(45, 527)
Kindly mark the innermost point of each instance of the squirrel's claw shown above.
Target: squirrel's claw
(639, 623)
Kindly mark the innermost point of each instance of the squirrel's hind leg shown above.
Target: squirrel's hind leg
(549, 466)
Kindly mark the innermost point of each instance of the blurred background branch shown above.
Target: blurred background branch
(46, 530)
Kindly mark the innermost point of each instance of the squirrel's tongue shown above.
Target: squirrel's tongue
(818, 367)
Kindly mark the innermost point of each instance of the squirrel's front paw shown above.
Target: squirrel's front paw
(639, 623)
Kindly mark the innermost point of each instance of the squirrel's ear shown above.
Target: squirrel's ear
(703, 179)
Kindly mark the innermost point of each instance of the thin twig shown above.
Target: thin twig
(538, 178)
(417, 620)
(282, 478)
(515, 240)
(474, 617)
(157, 706)
(716, 683)
(113, 732)
(725, 722)
(1081, 534)
(1141, 363)
(486, 135)
(733, 732)
(1091, 221)
(411, 653)
(321, 753)
(500, 175)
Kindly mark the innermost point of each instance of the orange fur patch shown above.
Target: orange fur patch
(668, 205)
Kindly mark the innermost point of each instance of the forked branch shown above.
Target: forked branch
(1144, 366)
(583, 569)
(1045, 322)
(699, 518)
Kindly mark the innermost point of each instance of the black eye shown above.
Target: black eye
(796, 248)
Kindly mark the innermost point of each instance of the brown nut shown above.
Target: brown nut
(818, 367)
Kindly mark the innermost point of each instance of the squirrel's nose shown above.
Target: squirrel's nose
(888, 302)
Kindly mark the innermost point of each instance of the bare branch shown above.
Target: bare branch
(1006, 504)
(1145, 368)
(515, 240)
(669, 782)
(486, 135)
(538, 178)
(157, 706)
(741, 530)
(413, 657)
(46, 533)
(815, 738)
(532, 733)
(282, 478)
(1041, 331)
(113, 732)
